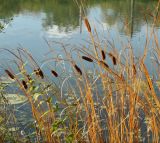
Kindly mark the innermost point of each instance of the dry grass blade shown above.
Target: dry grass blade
(87, 59)
(148, 77)
(150, 84)
(87, 24)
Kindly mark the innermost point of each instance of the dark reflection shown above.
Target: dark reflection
(129, 15)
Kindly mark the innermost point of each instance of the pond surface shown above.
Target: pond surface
(29, 23)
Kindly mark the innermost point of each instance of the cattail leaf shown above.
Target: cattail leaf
(87, 59)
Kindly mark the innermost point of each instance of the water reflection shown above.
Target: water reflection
(29, 21)
(128, 15)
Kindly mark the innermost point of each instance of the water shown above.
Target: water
(29, 23)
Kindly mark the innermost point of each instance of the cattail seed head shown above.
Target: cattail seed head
(54, 73)
(24, 84)
(87, 25)
(134, 70)
(78, 69)
(39, 72)
(103, 55)
(104, 64)
(114, 60)
(87, 59)
(29, 77)
(9, 74)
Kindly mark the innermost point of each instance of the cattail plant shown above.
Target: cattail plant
(54, 73)
(39, 73)
(77, 69)
(10, 74)
(103, 54)
(87, 24)
(87, 59)
(114, 60)
(24, 84)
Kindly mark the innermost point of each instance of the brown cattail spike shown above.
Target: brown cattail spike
(78, 69)
(9, 74)
(134, 69)
(104, 64)
(36, 72)
(87, 59)
(39, 72)
(103, 55)
(54, 73)
(87, 24)
(24, 84)
(114, 60)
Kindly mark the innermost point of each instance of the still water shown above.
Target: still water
(30, 23)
